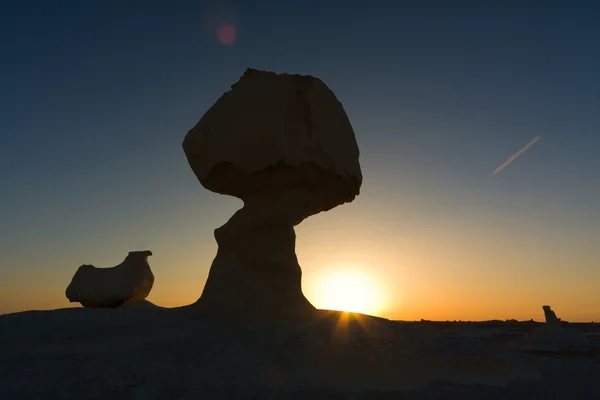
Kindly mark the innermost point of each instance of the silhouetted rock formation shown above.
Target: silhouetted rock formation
(284, 145)
(111, 287)
(552, 336)
(551, 318)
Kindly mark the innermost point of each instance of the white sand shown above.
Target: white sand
(155, 353)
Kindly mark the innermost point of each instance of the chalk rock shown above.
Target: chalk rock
(552, 337)
(111, 287)
(285, 146)
(551, 318)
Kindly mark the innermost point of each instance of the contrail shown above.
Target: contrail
(516, 155)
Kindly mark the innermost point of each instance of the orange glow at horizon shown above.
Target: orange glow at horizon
(440, 273)
(347, 289)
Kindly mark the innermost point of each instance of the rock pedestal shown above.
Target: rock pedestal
(259, 253)
(256, 272)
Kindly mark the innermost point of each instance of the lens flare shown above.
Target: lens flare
(227, 34)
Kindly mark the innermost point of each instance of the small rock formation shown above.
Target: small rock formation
(552, 337)
(111, 287)
(551, 318)
(284, 145)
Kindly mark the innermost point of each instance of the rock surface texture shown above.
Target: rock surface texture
(119, 354)
(553, 337)
(284, 145)
(129, 281)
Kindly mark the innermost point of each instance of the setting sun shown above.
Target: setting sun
(350, 291)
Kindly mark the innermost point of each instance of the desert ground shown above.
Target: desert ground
(155, 353)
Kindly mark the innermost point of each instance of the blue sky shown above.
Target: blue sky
(97, 97)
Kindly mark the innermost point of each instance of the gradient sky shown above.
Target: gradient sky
(96, 97)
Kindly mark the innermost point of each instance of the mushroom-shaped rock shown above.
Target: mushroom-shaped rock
(111, 287)
(552, 337)
(285, 146)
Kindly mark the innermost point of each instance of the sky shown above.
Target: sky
(97, 96)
